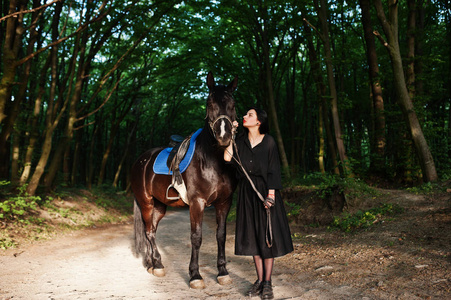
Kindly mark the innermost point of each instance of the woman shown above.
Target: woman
(259, 156)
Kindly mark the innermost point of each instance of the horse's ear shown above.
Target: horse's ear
(232, 86)
(210, 81)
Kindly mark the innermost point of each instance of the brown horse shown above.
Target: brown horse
(209, 181)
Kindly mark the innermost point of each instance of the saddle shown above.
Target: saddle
(174, 160)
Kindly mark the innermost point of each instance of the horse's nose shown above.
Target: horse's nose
(224, 142)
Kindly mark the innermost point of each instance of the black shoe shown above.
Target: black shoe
(255, 289)
(267, 290)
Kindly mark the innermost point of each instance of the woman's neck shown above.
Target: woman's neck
(255, 137)
(254, 133)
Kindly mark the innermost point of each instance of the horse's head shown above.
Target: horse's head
(221, 110)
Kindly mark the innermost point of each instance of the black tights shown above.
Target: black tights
(263, 267)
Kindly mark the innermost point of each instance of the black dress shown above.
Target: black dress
(263, 166)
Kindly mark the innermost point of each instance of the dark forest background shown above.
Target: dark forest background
(353, 88)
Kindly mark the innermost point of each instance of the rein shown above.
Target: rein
(269, 237)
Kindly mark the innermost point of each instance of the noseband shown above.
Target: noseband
(212, 124)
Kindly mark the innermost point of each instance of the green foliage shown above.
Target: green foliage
(364, 219)
(425, 188)
(16, 207)
(232, 214)
(60, 215)
(353, 187)
(231, 217)
(108, 197)
(6, 243)
(293, 209)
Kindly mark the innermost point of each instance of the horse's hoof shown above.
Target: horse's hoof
(197, 284)
(159, 272)
(224, 280)
(150, 270)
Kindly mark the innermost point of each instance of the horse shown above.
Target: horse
(208, 179)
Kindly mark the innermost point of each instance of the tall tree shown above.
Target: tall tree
(55, 109)
(379, 140)
(264, 28)
(323, 119)
(390, 27)
(12, 44)
(321, 8)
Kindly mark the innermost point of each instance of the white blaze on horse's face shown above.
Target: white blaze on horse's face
(223, 130)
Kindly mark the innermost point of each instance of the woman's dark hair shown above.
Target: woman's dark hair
(262, 117)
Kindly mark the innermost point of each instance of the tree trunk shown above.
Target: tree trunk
(20, 98)
(9, 109)
(419, 48)
(13, 34)
(15, 158)
(53, 117)
(322, 15)
(410, 83)
(76, 157)
(90, 161)
(273, 112)
(290, 108)
(410, 68)
(390, 28)
(72, 99)
(51, 125)
(68, 131)
(321, 150)
(125, 154)
(448, 31)
(33, 125)
(106, 154)
(321, 94)
(113, 132)
(379, 141)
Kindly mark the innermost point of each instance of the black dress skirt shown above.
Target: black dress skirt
(263, 166)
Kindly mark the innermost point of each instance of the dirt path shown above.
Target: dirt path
(98, 264)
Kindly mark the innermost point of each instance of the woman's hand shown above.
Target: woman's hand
(228, 152)
(235, 126)
(270, 199)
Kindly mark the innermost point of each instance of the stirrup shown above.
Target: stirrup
(181, 189)
(167, 193)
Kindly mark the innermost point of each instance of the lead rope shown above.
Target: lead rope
(268, 234)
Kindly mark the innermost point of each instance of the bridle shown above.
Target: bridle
(213, 123)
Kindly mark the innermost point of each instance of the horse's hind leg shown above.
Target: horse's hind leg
(159, 210)
(142, 215)
(146, 222)
(221, 217)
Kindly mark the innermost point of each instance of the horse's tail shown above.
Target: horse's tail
(140, 234)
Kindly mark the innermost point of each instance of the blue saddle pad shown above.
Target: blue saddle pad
(160, 165)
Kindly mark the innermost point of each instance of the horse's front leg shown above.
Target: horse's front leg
(196, 210)
(222, 211)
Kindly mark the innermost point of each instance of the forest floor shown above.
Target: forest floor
(403, 256)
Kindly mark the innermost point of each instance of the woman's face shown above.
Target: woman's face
(250, 119)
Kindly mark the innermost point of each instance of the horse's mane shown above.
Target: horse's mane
(206, 141)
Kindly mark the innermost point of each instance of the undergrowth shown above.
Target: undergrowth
(322, 184)
(38, 217)
(17, 207)
(363, 219)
